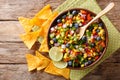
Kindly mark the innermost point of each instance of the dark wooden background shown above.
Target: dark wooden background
(12, 50)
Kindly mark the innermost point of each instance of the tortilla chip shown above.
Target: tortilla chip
(56, 71)
(30, 38)
(35, 28)
(50, 69)
(26, 23)
(38, 54)
(37, 22)
(44, 13)
(43, 32)
(45, 60)
(65, 72)
(33, 62)
(40, 39)
(46, 25)
(44, 46)
(44, 65)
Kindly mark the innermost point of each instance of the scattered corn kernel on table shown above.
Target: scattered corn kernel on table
(12, 50)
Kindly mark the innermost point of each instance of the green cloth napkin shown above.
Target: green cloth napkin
(114, 35)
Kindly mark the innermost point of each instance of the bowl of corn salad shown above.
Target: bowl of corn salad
(64, 31)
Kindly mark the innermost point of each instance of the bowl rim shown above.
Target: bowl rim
(106, 36)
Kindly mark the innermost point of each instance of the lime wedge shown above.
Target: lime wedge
(60, 64)
(55, 54)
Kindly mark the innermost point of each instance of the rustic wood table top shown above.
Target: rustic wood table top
(12, 50)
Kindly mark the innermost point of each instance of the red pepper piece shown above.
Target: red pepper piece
(89, 17)
(83, 12)
(76, 60)
(64, 51)
(87, 50)
(67, 33)
(96, 57)
(67, 18)
(65, 42)
(60, 24)
(89, 54)
(93, 49)
(97, 49)
(58, 32)
(92, 40)
(84, 23)
(94, 33)
(102, 44)
(70, 21)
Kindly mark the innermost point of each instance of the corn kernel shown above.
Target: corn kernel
(85, 55)
(82, 65)
(65, 55)
(77, 18)
(63, 20)
(95, 27)
(67, 49)
(100, 28)
(51, 41)
(82, 20)
(94, 54)
(89, 58)
(103, 38)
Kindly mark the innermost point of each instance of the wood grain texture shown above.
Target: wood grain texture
(19, 72)
(12, 49)
(12, 9)
(10, 31)
(105, 71)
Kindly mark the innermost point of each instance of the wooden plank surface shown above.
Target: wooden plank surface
(108, 71)
(12, 9)
(12, 50)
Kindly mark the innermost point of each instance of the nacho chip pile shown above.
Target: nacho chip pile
(38, 61)
(36, 31)
(42, 21)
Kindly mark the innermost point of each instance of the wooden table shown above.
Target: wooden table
(12, 50)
